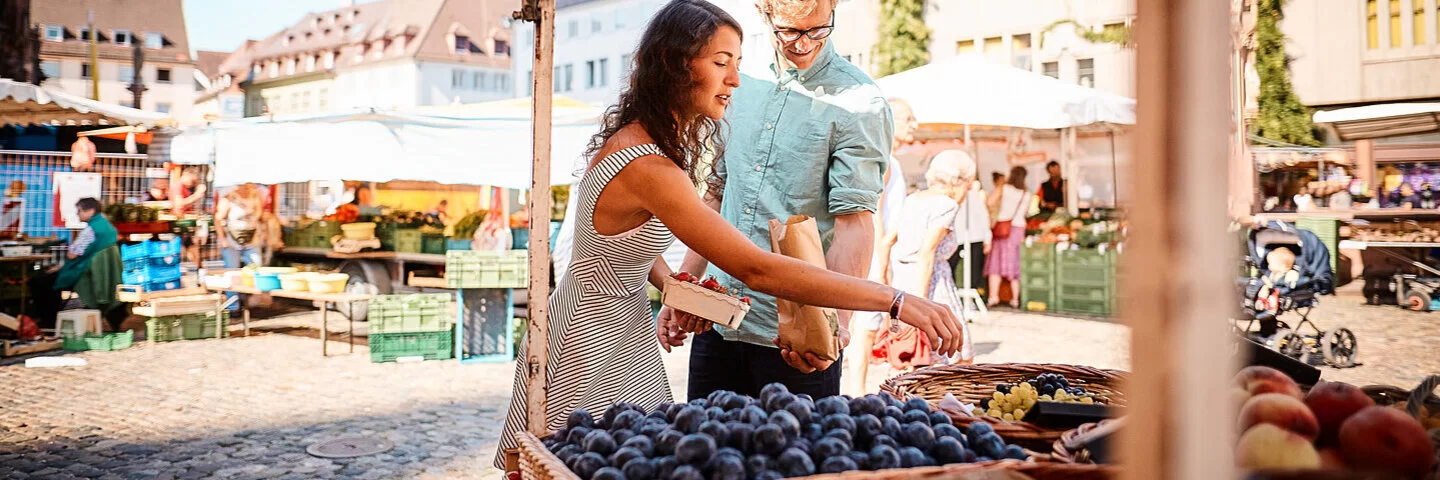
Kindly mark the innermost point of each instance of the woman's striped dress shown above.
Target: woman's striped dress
(602, 337)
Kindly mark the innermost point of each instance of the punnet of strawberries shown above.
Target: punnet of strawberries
(708, 282)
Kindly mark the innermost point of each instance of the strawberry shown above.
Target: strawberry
(710, 283)
(684, 276)
(746, 300)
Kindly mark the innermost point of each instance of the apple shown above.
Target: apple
(1281, 410)
(1385, 439)
(1257, 380)
(1269, 446)
(1332, 403)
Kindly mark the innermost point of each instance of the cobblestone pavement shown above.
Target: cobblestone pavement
(248, 407)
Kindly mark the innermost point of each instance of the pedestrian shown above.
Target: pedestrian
(992, 201)
(639, 187)
(920, 250)
(1052, 192)
(98, 235)
(1003, 259)
(972, 229)
(811, 137)
(159, 190)
(892, 198)
(238, 225)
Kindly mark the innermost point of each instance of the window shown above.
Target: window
(555, 80)
(1051, 69)
(574, 28)
(457, 78)
(478, 81)
(322, 99)
(964, 46)
(502, 81)
(603, 66)
(1086, 66)
(993, 44)
(569, 76)
(162, 107)
(595, 23)
(626, 67)
(127, 74)
(1020, 51)
(1113, 30)
(85, 70)
(305, 101)
(329, 60)
(274, 68)
(309, 63)
(50, 69)
(502, 48)
(590, 74)
(154, 40)
(84, 34)
(55, 33)
(1395, 24)
(620, 18)
(122, 37)
(1419, 20)
(285, 42)
(290, 67)
(1372, 24)
(529, 83)
(162, 75)
(462, 44)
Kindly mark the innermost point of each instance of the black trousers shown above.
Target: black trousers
(44, 300)
(977, 267)
(745, 368)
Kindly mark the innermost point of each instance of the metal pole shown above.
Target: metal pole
(95, 57)
(542, 14)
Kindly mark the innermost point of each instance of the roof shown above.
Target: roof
(1382, 120)
(23, 103)
(138, 16)
(209, 62)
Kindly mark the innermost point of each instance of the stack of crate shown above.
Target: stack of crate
(152, 265)
(486, 269)
(1037, 277)
(191, 326)
(1086, 281)
(1328, 229)
(314, 235)
(417, 325)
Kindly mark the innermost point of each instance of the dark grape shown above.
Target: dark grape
(838, 465)
(828, 447)
(600, 441)
(885, 440)
(867, 426)
(918, 435)
(838, 420)
(769, 439)
(568, 451)
(641, 443)
(1003, 388)
(624, 456)
(802, 410)
(757, 463)
(695, 449)
(739, 435)
(948, 430)
(689, 419)
(911, 457)
(1015, 452)
(787, 423)
(687, 472)
(639, 469)
(861, 459)
(714, 413)
(833, 405)
(666, 442)
(938, 419)
(917, 403)
(795, 463)
(714, 429)
(587, 464)
(894, 412)
(916, 416)
(727, 467)
(665, 467)
(625, 420)
(948, 450)
(577, 436)
(890, 426)
(843, 435)
(883, 457)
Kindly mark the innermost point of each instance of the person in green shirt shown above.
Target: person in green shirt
(97, 236)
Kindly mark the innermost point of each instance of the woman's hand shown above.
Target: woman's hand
(666, 331)
(936, 321)
(986, 249)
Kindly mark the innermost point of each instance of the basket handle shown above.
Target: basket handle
(1420, 394)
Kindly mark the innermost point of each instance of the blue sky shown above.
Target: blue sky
(222, 25)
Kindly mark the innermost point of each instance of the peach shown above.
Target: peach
(1332, 403)
(1269, 446)
(1258, 379)
(1281, 410)
(1330, 459)
(1385, 439)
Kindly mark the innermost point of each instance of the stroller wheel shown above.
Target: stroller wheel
(1417, 300)
(1291, 344)
(1339, 347)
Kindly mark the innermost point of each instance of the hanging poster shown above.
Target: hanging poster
(70, 187)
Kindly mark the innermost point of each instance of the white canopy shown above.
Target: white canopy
(1382, 120)
(970, 90)
(23, 103)
(463, 145)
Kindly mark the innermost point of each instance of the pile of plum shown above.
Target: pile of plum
(728, 436)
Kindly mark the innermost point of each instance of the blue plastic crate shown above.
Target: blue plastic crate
(151, 274)
(165, 260)
(162, 248)
(134, 264)
(161, 286)
(134, 251)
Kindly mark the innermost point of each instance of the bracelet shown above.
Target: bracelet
(895, 306)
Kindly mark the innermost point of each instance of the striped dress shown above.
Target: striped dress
(602, 337)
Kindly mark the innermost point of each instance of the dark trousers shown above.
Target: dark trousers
(44, 300)
(745, 368)
(977, 267)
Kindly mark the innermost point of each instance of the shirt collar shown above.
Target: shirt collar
(785, 75)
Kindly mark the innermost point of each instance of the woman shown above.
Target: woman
(239, 226)
(920, 248)
(992, 201)
(1003, 259)
(641, 180)
(493, 234)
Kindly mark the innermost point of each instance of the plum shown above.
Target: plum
(567, 452)
(733, 402)
(787, 423)
(727, 467)
(665, 467)
(666, 442)
(948, 430)
(829, 447)
(779, 401)
(587, 464)
(812, 431)
(768, 439)
(886, 440)
(714, 413)
(838, 465)
(600, 441)
(699, 402)
(622, 435)
(687, 472)
(639, 469)
(1015, 452)
(579, 418)
(624, 455)
(948, 450)
(800, 443)
(891, 426)
(990, 445)
(754, 415)
(608, 473)
(689, 419)
(890, 400)
(757, 463)
(674, 410)
(883, 457)
(894, 412)
(770, 390)
(695, 448)
(714, 429)
(861, 459)
(715, 397)
(739, 435)
(625, 420)
(911, 457)
(724, 451)
(795, 463)
(842, 435)
(832, 405)
(916, 416)
(917, 403)
(768, 475)
(802, 410)
(838, 420)
(976, 430)
(641, 443)
(939, 418)
(918, 435)
(577, 436)
(653, 430)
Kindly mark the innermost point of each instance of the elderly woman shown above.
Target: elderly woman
(919, 251)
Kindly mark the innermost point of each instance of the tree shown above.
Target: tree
(19, 43)
(904, 38)
(1281, 115)
(1119, 35)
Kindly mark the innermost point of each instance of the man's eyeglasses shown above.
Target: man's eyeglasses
(788, 35)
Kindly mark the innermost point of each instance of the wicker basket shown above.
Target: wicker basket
(537, 463)
(972, 383)
(1060, 454)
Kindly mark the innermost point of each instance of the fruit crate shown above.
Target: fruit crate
(1037, 299)
(163, 248)
(163, 329)
(151, 273)
(388, 347)
(1086, 292)
(1085, 258)
(482, 269)
(407, 240)
(1084, 305)
(198, 326)
(99, 342)
(134, 251)
(411, 313)
(433, 243)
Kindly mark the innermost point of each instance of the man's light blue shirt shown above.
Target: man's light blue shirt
(801, 142)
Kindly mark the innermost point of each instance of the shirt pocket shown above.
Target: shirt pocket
(804, 164)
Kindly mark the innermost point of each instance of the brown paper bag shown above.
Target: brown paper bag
(804, 328)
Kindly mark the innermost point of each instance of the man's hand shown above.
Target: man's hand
(666, 331)
(692, 323)
(808, 362)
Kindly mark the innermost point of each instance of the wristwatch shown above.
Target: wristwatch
(895, 306)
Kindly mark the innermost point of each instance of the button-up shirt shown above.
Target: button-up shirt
(801, 142)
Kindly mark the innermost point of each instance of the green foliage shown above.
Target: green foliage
(904, 38)
(1114, 35)
(1281, 117)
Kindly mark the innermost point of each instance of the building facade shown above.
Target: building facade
(156, 26)
(390, 54)
(1352, 52)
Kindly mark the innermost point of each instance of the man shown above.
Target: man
(186, 193)
(1052, 192)
(808, 137)
(159, 190)
(891, 199)
(97, 236)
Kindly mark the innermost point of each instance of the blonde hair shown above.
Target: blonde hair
(791, 9)
(950, 169)
(1278, 254)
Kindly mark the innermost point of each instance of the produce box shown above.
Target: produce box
(411, 313)
(432, 243)
(407, 240)
(485, 269)
(435, 345)
(100, 342)
(198, 326)
(704, 302)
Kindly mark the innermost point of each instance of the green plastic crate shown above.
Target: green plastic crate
(1039, 251)
(163, 329)
(432, 243)
(201, 326)
(483, 269)
(1083, 306)
(106, 342)
(1039, 281)
(1098, 293)
(387, 347)
(1089, 276)
(1037, 299)
(407, 240)
(1085, 258)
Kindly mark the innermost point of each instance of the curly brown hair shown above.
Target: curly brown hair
(657, 95)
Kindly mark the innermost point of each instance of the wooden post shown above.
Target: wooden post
(542, 14)
(1179, 426)
(1365, 165)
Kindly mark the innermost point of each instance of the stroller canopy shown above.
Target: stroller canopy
(1313, 259)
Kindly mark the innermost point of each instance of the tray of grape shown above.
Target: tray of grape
(1001, 395)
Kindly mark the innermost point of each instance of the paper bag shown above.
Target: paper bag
(804, 328)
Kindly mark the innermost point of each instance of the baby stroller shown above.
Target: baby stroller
(1304, 341)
